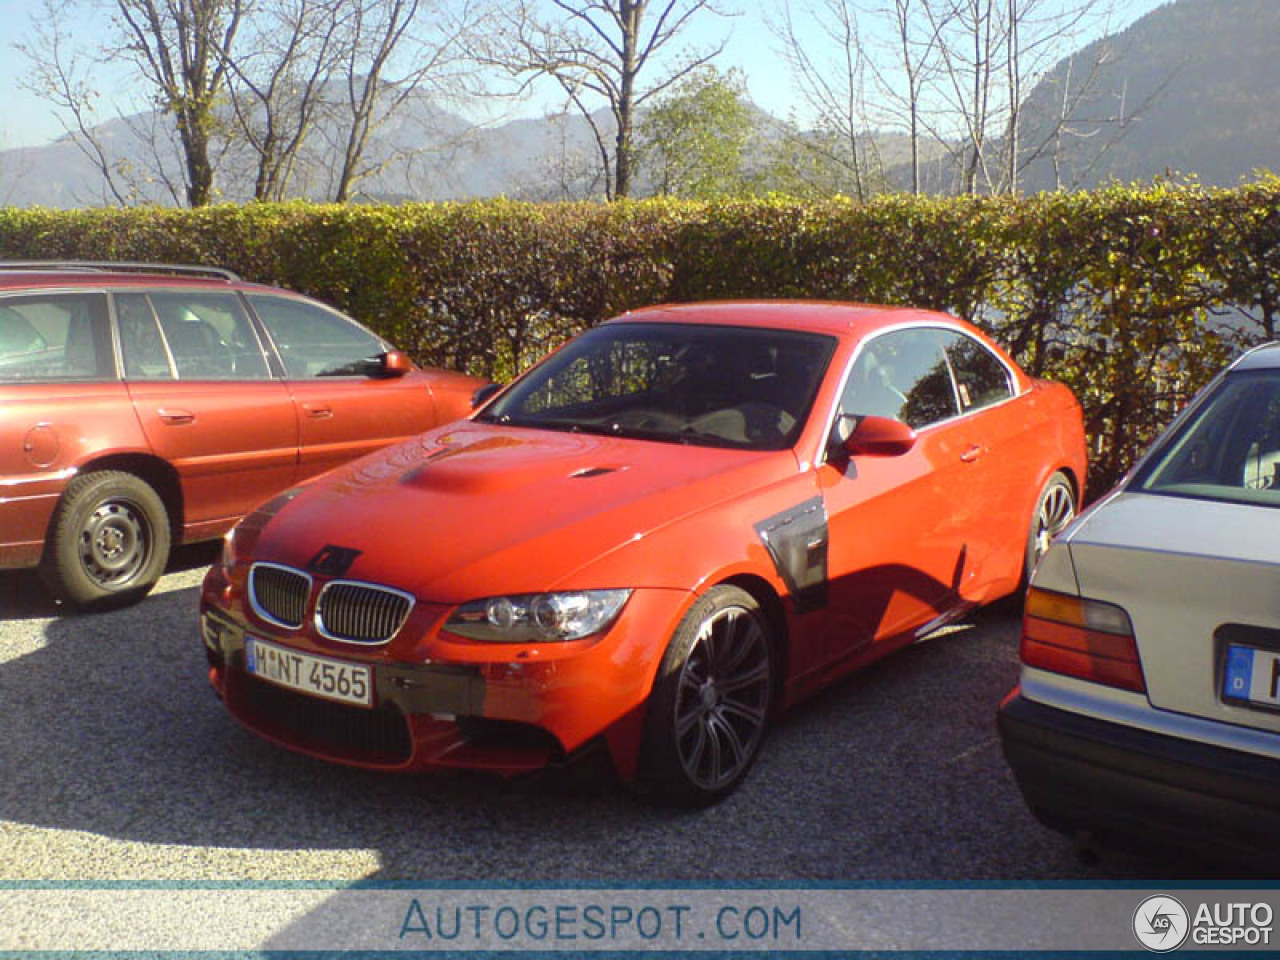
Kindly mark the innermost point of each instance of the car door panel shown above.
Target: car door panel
(1003, 479)
(899, 525)
(227, 428)
(341, 415)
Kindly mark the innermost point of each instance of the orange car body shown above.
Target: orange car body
(890, 546)
(213, 444)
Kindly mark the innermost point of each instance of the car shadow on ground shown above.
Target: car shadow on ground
(112, 731)
(23, 595)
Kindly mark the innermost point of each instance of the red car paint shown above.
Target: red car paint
(212, 443)
(906, 541)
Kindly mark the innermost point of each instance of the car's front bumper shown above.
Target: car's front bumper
(1141, 788)
(507, 710)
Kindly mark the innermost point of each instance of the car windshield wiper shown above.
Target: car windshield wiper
(534, 423)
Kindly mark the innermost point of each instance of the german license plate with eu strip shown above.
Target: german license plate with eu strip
(318, 676)
(1252, 675)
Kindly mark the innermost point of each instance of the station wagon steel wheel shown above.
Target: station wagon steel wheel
(110, 540)
(115, 542)
(1055, 509)
(710, 705)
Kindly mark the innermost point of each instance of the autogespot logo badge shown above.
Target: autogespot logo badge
(1161, 923)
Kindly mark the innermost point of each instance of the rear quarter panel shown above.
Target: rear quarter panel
(48, 431)
(1057, 440)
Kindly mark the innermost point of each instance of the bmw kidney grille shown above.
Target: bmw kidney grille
(279, 594)
(346, 610)
(361, 612)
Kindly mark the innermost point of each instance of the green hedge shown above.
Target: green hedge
(1130, 296)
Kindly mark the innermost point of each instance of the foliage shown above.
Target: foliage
(693, 137)
(1133, 297)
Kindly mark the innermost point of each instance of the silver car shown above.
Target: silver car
(1149, 703)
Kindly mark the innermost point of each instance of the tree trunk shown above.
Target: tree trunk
(195, 148)
(631, 13)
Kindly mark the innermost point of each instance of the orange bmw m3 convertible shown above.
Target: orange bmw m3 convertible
(676, 525)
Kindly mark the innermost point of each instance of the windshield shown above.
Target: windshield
(722, 386)
(1230, 450)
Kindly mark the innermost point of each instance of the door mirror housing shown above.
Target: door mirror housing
(481, 396)
(393, 363)
(879, 437)
(382, 366)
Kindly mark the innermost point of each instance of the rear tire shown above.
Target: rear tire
(1054, 510)
(711, 701)
(108, 543)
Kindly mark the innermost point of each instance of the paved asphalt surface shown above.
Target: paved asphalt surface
(117, 762)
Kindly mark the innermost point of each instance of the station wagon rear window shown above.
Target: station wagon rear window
(58, 336)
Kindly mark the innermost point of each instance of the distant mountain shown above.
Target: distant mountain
(1191, 88)
(421, 153)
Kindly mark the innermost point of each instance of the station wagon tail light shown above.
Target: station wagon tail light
(536, 617)
(1081, 638)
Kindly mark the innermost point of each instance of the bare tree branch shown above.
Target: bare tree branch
(601, 47)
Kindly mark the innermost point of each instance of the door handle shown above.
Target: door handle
(972, 454)
(176, 418)
(318, 411)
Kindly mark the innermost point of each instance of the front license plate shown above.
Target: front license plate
(318, 676)
(1252, 675)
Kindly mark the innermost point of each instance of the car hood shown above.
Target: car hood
(476, 509)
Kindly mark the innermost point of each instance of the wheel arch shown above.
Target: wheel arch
(159, 474)
(775, 612)
(1069, 472)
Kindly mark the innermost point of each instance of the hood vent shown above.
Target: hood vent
(593, 472)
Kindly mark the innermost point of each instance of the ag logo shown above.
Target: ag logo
(1161, 923)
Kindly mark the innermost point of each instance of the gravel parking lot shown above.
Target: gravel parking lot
(117, 762)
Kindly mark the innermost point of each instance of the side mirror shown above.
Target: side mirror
(481, 396)
(382, 366)
(394, 363)
(880, 437)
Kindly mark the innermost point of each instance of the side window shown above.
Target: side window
(313, 341)
(902, 375)
(141, 343)
(60, 336)
(981, 379)
(209, 336)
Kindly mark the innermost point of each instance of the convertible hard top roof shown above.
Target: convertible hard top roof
(817, 316)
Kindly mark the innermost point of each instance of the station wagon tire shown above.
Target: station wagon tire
(1055, 508)
(108, 542)
(711, 701)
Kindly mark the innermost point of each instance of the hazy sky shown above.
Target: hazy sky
(752, 48)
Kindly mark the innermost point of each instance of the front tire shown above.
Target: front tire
(108, 543)
(711, 701)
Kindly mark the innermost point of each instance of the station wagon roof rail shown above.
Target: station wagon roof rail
(112, 266)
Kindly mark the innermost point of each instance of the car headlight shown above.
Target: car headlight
(228, 559)
(534, 617)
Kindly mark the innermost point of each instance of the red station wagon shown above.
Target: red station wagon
(143, 405)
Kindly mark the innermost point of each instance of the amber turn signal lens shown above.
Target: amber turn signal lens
(1081, 638)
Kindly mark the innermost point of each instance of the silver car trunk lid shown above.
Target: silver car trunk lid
(1195, 576)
